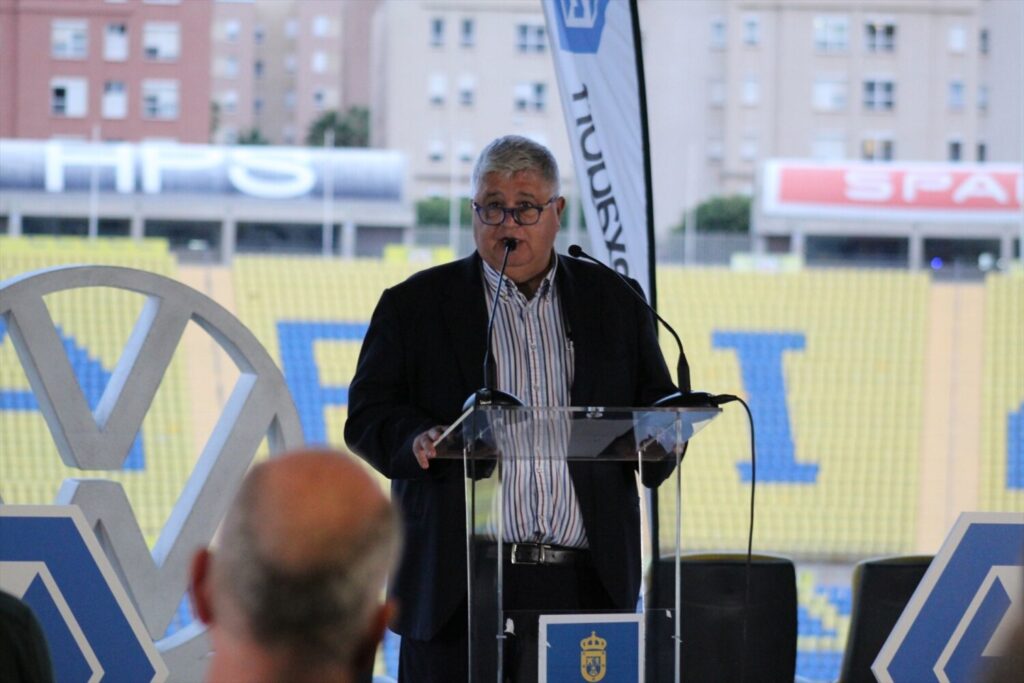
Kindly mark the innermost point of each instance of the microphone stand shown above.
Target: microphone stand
(488, 395)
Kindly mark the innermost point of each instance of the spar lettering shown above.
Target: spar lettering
(601, 193)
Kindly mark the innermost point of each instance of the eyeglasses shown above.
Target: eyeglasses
(524, 214)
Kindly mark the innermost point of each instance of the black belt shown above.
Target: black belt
(541, 554)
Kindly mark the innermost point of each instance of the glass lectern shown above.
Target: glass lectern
(517, 458)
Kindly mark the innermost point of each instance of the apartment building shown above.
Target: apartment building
(448, 76)
(729, 84)
(278, 65)
(111, 69)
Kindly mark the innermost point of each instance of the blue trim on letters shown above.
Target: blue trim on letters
(301, 374)
(1015, 448)
(92, 379)
(760, 357)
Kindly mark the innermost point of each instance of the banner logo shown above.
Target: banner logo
(593, 657)
(580, 24)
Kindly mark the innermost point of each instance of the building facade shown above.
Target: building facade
(450, 76)
(730, 83)
(105, 69)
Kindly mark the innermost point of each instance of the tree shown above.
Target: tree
(722, 214)
(433, 211)
(351, 129)
(253, 136)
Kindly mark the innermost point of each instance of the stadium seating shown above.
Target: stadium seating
(831, 362)
(94, 324)
(1002, 448)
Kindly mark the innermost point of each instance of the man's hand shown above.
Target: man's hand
(423, 446)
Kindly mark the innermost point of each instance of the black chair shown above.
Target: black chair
(713, 646)
(881, 589)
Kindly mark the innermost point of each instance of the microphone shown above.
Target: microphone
(685, 397)
(488, 395)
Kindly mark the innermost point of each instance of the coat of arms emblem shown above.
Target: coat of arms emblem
(593, 658)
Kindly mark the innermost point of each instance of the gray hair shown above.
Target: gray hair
(513, 154)
(316, 615)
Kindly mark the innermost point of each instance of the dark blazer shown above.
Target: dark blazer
(423, 355)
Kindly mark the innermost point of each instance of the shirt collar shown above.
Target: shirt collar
(545, 289)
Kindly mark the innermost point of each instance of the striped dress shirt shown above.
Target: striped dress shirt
(533, 357)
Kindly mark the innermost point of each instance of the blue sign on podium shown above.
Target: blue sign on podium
(590, 648)
(963, 609)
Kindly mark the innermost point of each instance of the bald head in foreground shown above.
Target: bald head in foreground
(293, 592)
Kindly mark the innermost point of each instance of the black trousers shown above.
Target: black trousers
(529, 591)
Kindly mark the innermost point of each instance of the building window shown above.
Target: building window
(830, 93)
(318, 62)
(257, 68)
(982, 98)
(982, 153)
(289, 63)
(467, 90)
(466, 152)
(160, 99)
(257, 106)
(437, 88)
(161, 41)
(229, 101)
(879, 95)
(435, 151)
(69, 97)
(319, 99)
(321, 26)
(877, 148)
(531, 38)
(748, 148)
(880, 36)
(229, 67)
(232, 28)
(718, 34)
(530, 96)
(955, 96)
(468, 34)
(69, 38)
(954, 150)
(983, 41)
(831, 33)
(436, 32)
(289, 100)
(829, 146)
(259, 34)
(715, 149)
(751, 29)
(716, 93)
(751, 91)
(115, 100)
(291, 28)
(957, 39)
(115, 42)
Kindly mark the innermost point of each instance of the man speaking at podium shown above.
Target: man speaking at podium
(565, 332)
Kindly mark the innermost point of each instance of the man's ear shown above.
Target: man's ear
(202, 598)
(366, 651)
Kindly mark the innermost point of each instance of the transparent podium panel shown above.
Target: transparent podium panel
(556, 543)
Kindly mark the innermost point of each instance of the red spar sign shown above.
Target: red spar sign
(945, 192)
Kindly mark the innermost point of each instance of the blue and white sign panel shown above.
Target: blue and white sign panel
(965, 607)
(50, 558)
(588, 648)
